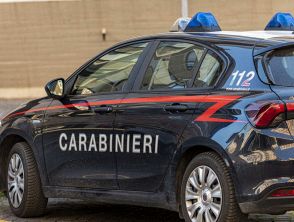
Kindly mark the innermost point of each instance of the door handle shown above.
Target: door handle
(103, 109)
(176, 107)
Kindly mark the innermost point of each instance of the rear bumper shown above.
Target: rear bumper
(268, 206)
(263, 163)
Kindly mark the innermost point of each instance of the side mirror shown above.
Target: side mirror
(55, 88)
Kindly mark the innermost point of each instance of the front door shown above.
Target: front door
(78, 130)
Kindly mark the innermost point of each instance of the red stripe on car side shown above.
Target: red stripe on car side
(220, 101)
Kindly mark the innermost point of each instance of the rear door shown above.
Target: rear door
(153, 116)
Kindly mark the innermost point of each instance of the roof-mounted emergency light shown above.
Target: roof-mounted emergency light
(180, 25)
(281, 22)
(203, 22)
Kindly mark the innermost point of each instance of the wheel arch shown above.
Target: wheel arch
(9, 138)
(188, 151)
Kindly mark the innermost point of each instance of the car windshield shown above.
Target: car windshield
(281, 66)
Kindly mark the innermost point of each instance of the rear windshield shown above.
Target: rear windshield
(281, 66)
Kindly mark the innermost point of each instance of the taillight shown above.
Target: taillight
(283, 193)
(266, 114)
(290, 109)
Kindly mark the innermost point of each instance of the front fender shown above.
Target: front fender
(29, 131)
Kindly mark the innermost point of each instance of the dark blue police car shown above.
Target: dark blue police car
(198, 121)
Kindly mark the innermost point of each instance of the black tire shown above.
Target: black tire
(33, 203)
(230, 211)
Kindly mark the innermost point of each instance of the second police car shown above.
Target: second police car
(198, 121)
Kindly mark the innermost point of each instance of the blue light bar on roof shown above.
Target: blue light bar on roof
(203, 22)
(281, 21)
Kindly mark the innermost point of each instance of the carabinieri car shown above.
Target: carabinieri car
(198, 121)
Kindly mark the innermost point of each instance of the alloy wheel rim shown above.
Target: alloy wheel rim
(15, 180)
(203, 195)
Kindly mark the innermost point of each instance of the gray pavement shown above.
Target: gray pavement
(72, 210)
(76, 210)
(65, 210)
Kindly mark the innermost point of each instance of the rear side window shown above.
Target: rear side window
(172, 66)
(209, 71)
(280, 64)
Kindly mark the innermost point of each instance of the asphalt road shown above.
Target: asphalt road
(75, 210)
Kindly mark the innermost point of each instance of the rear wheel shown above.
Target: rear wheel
(207, 191)
(24, 191)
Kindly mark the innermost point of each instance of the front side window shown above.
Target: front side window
(280, 64)
(172, 66)
(110, 72)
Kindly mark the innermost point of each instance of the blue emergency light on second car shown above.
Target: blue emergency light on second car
(203, 22)
(281, 22)
(180, 25)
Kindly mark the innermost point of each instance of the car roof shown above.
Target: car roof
(254, 38)
(264, 37)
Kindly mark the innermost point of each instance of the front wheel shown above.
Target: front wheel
(207, 191)
(24, 190)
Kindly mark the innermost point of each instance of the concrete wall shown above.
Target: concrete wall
(43, 40)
